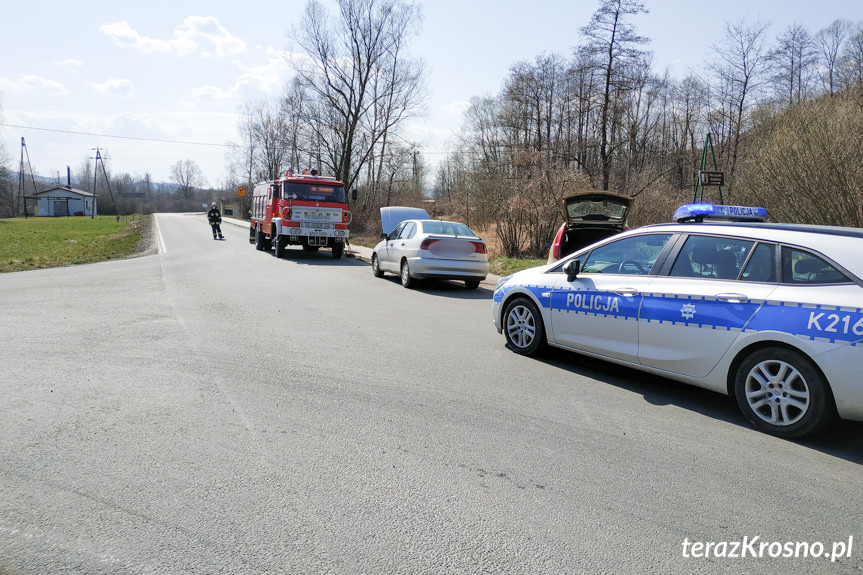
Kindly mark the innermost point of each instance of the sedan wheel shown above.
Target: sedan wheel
(376, 267)
(407, 280)
(782, 393)
(523, 327)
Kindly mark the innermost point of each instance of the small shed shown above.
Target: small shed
(65, 201)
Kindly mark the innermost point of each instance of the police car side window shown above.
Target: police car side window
(761, 266)
(802, 267)
(634, 255)
(711, 257)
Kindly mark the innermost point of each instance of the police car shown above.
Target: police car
(767, 313)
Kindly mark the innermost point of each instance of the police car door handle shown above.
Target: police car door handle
(626, 292)
(732, 297)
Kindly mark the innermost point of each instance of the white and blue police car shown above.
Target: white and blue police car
(767, 313)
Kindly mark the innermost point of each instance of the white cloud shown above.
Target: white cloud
(209, 28)
(31, 85)
(183, 41)
(69, 64)
(117, 87)
(125, 37)
(214, 93)
(267, 78)
(456, 108)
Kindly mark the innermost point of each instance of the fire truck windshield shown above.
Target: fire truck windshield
(315, 192)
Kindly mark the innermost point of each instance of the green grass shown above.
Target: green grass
(503, 266)
(32, 243)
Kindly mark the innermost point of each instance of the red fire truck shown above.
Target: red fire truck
(306, 209)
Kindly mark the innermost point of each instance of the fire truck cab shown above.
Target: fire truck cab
(306, 209)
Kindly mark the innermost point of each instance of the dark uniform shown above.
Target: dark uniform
(215, 218)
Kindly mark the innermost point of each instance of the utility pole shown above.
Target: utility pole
(21, 191)
(99, 160)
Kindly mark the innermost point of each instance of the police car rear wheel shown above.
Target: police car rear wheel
(779, 391)
(523, 327)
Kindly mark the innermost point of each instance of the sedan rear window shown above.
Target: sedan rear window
(447, 229)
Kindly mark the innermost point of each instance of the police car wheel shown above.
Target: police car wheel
(779, 391)
(376, 267)
(523, 327)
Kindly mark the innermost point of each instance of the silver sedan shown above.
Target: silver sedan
(425, 248)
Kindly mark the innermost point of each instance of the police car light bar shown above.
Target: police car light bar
(701, 212)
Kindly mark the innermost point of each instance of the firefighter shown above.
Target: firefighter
(215, 218)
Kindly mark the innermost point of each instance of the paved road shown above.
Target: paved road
(212, 409)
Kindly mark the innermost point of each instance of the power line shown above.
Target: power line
(119, 137)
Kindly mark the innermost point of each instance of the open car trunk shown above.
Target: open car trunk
(575, 239)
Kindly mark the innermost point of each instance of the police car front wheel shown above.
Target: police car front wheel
(782, 393)
(523, 327)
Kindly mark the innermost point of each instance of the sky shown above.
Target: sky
(153, 83)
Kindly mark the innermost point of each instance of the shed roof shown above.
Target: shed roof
(67, 189)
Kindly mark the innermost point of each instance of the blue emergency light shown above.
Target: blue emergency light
(701, 212)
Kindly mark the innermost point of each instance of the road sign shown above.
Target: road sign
(241, 191)
(711, 178)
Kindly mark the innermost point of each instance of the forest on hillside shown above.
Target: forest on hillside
(782, 119)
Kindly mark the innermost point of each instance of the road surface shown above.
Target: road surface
(213, 409)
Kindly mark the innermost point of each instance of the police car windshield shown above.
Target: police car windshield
(315, 192)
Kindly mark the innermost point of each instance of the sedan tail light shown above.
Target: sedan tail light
(426, 243)
(479, 247)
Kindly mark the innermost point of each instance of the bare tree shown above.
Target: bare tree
(360, 81)
(793, 63)
(830, 41)
(612, 44)
(851, 61)
(740, 59)
(188, 177)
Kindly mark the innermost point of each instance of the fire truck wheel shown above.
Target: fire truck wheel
(281, 242)
(337, 250)
(376, 267)
(407, 280)
(259, 241)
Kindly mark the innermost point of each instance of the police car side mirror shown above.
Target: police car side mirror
(571, 269)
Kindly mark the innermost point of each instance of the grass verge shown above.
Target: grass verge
(33, 243)
(503, 266)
